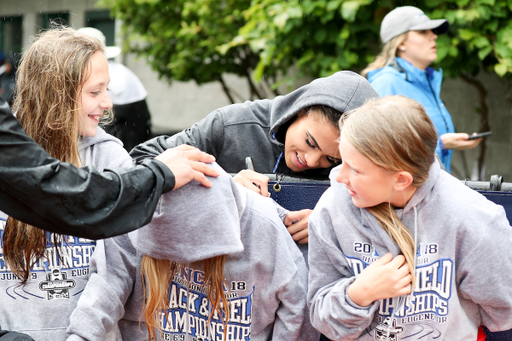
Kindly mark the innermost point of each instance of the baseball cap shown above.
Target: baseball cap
(409, 18)
(110, 51)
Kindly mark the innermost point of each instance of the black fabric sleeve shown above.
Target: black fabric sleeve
(59, 197)
(6, 335)
(206, 135)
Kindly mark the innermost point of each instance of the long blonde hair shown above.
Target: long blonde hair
(157, 276)
(396, 134)
(386, 56)
(47, 101)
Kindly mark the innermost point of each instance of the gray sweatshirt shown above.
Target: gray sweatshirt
(257, 129)
(463, 266)
(265, 273)
(41, 308)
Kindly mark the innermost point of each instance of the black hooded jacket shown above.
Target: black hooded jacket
(59, 197)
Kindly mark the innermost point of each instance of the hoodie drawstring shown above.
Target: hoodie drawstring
(277, 185)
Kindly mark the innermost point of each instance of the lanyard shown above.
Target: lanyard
(277, 163)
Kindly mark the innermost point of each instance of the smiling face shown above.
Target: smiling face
(419, 48)
(94, 99)
(367, 183)
(311, 142)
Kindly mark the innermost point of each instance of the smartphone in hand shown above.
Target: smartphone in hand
(479, 135)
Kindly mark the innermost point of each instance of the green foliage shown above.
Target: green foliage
(179, 38)
(479, 36)
(320, 37)
(204, 39)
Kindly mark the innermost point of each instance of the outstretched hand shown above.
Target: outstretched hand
(297, 224)
(459, 141)
(385, 278)
(187, 163)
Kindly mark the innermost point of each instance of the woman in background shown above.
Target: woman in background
(402, 68)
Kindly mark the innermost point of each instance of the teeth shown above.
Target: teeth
(298, 158)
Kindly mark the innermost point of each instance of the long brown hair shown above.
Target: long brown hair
(157, 276)
(386, 56)
(396, 134)
(48, 86)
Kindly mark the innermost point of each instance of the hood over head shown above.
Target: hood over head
(342, 91)
(197, 222)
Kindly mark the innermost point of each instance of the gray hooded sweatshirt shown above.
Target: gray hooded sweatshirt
(463, 265)
(266, 276)
(257, 129)
(41, 308)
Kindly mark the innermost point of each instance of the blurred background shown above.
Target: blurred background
(196, 56)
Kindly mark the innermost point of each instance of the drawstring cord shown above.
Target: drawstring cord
(277, 162)
(277, 185)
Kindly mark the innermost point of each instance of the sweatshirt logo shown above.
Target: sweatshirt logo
(75, 255)
(189, 311)
(57, 285)
(57, 275)
(431, 294)
(387, 330)
(428, 305)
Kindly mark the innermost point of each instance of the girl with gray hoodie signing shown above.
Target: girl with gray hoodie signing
(295, 134)
(400, 250)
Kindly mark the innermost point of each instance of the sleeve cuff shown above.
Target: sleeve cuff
(75, 337)
(160, 167)
(281, 211)
(354, 305)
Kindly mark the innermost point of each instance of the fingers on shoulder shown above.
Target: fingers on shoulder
(200, 177)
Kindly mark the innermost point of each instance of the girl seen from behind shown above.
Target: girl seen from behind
(214, 264)
(61, 96)
(399, 248)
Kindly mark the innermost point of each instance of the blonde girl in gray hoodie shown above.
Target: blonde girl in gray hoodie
(214, 264)
(61, 96)
(400, 250)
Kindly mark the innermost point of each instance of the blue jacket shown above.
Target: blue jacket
(402, 78)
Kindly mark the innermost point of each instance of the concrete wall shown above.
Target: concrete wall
(30, 9)
(179, 105)
(173, 107)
